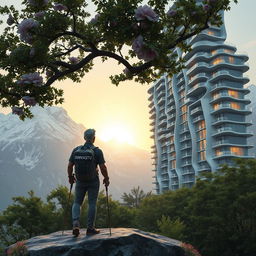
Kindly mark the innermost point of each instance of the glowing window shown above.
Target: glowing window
(182, 94)
(235, 105)
(233, 93)
(184, 109)
(218, 60)
(202, 134)
(214, 52)
(231, 59)
(201, 124)
(237, 151)
(216, 106)
(183, 117)
(173, 164)
(211, 33)
(218, 152)
(202, 155)
(228, 51)
(215, 95)
(172, 139)
(202, 144)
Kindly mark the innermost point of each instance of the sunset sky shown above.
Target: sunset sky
(123, 110)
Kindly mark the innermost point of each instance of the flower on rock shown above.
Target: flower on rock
(60, 7)
(10, 20)
(29, 101)
(24, 29)
(142, 51)
(145, 12)
(73, 60)
(31, 78)
(16, 111)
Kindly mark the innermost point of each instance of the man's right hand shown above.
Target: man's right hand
(71, 179)
(106, 181)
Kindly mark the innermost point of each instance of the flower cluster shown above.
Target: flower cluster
(16, 111)
(29, 101)
(39, 15)
(73, 60)
(24, 29)
(19, 249)
(145, 13)
(60, 7)
(190, 250)
(31, 78)
(142, 51)
(10, 20)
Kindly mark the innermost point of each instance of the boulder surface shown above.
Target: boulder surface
(122, 242)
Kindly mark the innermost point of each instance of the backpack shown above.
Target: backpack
(85, 164)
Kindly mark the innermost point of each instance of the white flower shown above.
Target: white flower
(145, 12)
(24, 29)
(31, 78)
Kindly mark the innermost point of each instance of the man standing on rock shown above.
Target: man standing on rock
(86, 159)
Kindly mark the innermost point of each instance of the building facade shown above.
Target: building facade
(198, 117)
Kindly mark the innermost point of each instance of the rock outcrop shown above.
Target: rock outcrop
(122, 242)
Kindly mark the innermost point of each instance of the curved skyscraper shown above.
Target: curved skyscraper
(199, 115)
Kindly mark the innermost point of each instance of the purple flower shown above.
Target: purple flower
(32, 52)
(29, 101)
(10, 20)
(60, 7)
(31, 78)
(49, 73)
(127, 72)
(73, 60)
(95, 19)
(206, 7)
(171, 12)
(137, 44)
(24, 29)
(143, 52)
(146, 12)
(17, 111)
(39, 14)
(35, 3)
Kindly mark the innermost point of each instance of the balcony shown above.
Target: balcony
(197, 78)
(196, 89)
(196, 110)
(225, 74)
(198, 118)
(229, 108)
(197, 65)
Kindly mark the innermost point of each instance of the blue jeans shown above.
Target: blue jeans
(80, 191)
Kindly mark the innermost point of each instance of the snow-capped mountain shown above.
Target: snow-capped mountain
(34, 155)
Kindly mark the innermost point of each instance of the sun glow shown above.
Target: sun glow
(116, 132)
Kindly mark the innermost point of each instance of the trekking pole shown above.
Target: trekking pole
(108, 210)
(69, 196)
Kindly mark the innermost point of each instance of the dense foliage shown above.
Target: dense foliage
(217, 215)
(55, 40)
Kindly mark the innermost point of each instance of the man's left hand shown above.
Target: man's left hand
(71, 179)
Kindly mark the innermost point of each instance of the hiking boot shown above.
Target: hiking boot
(92, 231)
(76, 226)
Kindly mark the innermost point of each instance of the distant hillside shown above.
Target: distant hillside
(34, 155)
